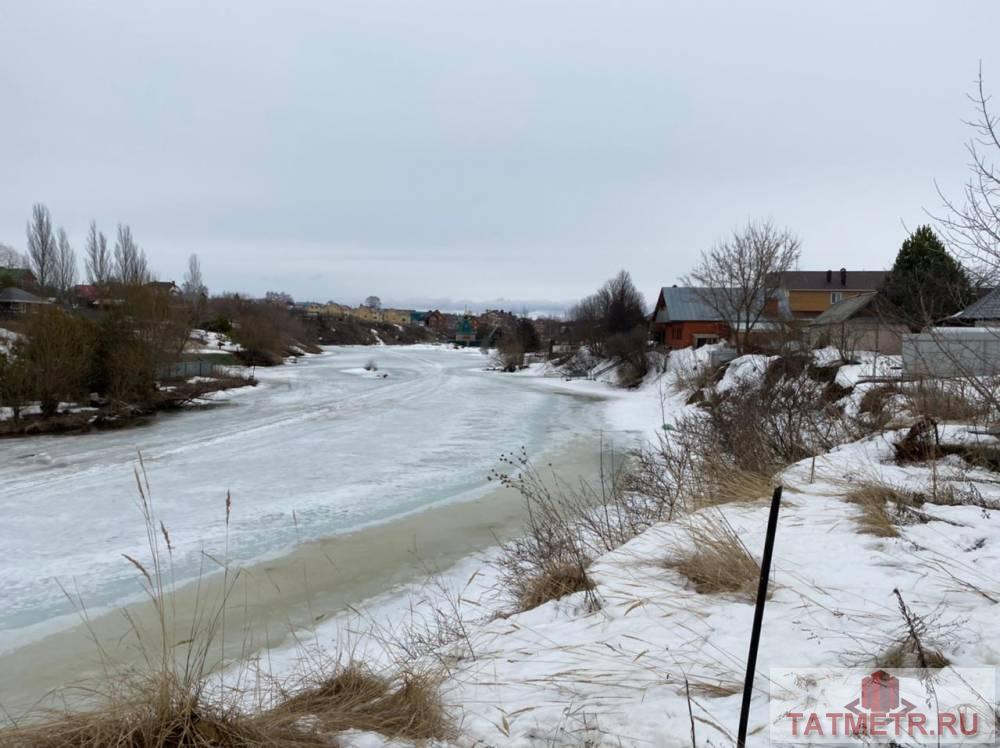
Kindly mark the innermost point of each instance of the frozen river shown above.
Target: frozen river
(321, 439)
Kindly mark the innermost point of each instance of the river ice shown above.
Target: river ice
(317, 439)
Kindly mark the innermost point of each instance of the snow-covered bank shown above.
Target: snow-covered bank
(661, 657)
(562, 674)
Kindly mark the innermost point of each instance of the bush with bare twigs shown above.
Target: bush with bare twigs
(917, 643)
(567, 526)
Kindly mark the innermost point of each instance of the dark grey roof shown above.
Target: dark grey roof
(987, 307)
(18, 296)
(688, 304)
(816, 280)
(845, 310)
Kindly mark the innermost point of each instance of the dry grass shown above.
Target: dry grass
(403, 706)
(724, 484)
(716, 688)
(157, 711)
(906, 655)
(935, 399)
(716, 561)
(876, 406)
(883, 507)
(553, 583)
(161, 712)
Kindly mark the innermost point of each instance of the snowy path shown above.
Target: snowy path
(323, 439)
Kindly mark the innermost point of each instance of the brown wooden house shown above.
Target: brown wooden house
(436, 321)
(683, 318)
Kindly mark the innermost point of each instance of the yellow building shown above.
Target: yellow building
(368, 314)
(812, 292)
(337, 310)
(396, 316)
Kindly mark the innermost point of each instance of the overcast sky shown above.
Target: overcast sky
(472, 150)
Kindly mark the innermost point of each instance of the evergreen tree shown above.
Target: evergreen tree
(926, 282)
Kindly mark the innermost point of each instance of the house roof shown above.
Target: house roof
(829, 280)
(845, 310)
(987, 307)
(689, 304)
(19, 296)
(167, 286)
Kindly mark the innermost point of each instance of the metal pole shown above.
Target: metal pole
(758, 616)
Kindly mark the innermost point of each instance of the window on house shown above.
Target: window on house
(836, 296)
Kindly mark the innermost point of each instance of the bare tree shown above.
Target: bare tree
(64, 275)
(616, 309)
(41, 245)
(99, 262)
(972, 224)
(194, 288)
(131, 268)
(740, 275)
(11, 258)
(373, 302)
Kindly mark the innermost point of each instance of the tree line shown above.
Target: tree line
(53, 261)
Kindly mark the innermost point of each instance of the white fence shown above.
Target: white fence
(952, 352)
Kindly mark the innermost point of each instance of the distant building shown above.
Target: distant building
(85, 295)
(18, 301)
(465, 332)
(335, 310)
(369, 314)
(497, 318)
(812, 292)
(866, 322)
(397, 316)
(683, 318)
(982, 313)
(165, 287)
(436, 321)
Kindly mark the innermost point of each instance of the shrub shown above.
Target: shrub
(219, 324)
(510, 351)
(552, 583)
(632, 350)
(716, 561)
(56, 352)
(942, 401)
(567, 525)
